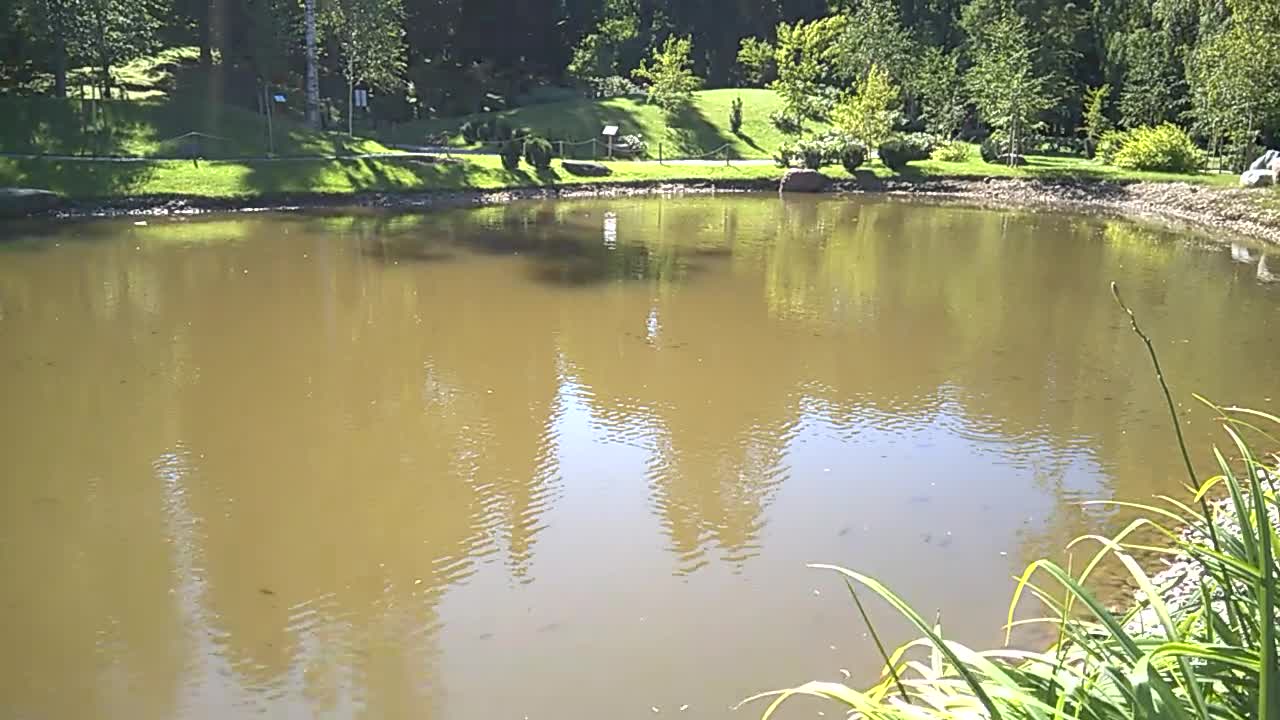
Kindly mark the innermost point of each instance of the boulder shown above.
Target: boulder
(1257, 178)
(1265, 160)
(803, 181)
(585, 168)
(20, 202)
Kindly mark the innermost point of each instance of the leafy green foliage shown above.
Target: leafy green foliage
(1109, 144)
(1165, 147)
(800, 54)
(939, 83)
(1151, 92)
(852, 156)
(1003, 82)
(868, 113)
(1096, 122)
(670, 75)
(818, 151)
(755, 62)
(896, 153)
(873, 39)
(952, 151)
(538, 152)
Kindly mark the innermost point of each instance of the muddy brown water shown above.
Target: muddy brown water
(567, 460)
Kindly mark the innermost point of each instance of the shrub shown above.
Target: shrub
(469, 132)
(502, 130)
(953, 151)
(896, 153)
(1165, 148)
(735, 116)
(1108, 145)
(484, 130)
(538, 152)
(852, 155)
(509, 151)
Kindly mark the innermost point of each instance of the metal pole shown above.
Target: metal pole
(271, 137)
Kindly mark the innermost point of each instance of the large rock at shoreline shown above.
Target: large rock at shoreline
(1266, 160)
(1257, 178)
(20, 202)
(585, 168)
(803, 181)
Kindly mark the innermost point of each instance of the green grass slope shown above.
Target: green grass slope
(704, 127)
(156, 128)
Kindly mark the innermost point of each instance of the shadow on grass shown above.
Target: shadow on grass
(77, 179)
(749, 141)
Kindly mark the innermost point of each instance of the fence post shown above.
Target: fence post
(593, 148)
(726, 156)
(562, 150)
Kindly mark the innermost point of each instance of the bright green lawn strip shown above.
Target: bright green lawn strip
(237, 179)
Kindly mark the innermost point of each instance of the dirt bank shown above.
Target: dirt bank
(1229, 211)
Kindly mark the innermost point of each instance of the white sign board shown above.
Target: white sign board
(610, 130)
(362, 98)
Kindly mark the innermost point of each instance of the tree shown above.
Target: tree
(1096, 122)
(874, 37)
(370, 34)
(941, 92)
(755, 61)
(313, 71)
(670, 75)
(1003, 83)
(598, 53)
(800, 55)
(868, 113)
(1235, 77)
(1152, 90)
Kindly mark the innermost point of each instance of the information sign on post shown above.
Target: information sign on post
(610, 131)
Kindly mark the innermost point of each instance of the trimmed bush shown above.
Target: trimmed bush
(538, 152)
(735, 116)
(1163, 148)
(852, 155)
(509, 151)
(896, 153)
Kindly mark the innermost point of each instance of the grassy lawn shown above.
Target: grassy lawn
(155, 127)
(241, 179)
(702, 128)
(479, 172)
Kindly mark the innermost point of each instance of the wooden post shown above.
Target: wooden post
(726, 157)
(561, 149)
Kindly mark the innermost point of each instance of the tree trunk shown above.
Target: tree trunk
(313, 74)
(206, 34)
(351, 91)
(60, 63)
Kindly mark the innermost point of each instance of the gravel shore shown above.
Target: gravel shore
(1226, 210)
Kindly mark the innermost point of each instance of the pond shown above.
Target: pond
(568, 460)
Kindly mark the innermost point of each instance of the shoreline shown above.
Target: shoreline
(1233, 211)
